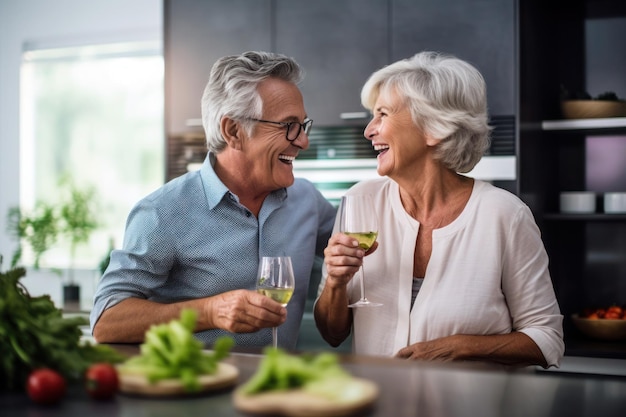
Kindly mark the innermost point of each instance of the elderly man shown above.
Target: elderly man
(196, 242)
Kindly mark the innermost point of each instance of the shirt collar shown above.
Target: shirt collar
(215, 189)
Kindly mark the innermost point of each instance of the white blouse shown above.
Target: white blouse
(488, 274)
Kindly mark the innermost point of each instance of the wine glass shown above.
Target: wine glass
(275, 280)
(358, 220)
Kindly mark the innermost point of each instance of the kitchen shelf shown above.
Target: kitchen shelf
(600, 217)
(581, 346)
(584, 124)
(573, 47)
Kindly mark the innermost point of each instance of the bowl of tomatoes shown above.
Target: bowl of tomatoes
(602, 323)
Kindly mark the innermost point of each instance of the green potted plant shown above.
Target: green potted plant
(73, 218)
(77, 215)
(39, 229)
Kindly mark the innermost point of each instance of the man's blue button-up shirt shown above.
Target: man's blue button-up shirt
(191, 238)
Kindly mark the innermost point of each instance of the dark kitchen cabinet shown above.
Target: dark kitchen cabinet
(196, 34)
(339, 44)
(586, 251)
(482, 32)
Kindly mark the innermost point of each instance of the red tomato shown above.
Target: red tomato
(101, 381)
(615, 310)
(45, 386)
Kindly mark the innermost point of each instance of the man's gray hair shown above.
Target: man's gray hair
(232, 90)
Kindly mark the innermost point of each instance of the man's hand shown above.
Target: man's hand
(244, 311)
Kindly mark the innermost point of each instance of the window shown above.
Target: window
(95, 114)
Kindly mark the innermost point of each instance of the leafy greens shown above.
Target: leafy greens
(34, 334)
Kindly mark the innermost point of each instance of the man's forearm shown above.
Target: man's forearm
(128, 321)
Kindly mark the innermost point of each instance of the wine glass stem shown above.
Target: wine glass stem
(275, 337)
(362, 285)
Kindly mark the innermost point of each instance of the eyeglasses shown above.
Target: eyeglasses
(293, 128)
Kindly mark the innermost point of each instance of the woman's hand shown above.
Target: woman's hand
(343, 258)
(443, 349)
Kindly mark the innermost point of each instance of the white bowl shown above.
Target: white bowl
(577, 202)
(615, 202)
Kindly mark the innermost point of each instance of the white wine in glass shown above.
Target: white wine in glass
(358, 220)
(275, 280)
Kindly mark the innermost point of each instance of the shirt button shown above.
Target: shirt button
(247, 214)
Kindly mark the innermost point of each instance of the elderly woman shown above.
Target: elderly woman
(459, 266)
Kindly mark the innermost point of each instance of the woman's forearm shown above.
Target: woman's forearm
(332, 315)
(515, 349)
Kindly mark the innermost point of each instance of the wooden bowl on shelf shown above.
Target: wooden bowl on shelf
(592, 109)
(603, 329)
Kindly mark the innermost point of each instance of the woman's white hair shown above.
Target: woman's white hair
(447, 98)
(232, 90)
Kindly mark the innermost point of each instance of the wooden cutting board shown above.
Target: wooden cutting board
(298, 403)
(226, 376)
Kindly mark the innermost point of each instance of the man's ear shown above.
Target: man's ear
(232, 132)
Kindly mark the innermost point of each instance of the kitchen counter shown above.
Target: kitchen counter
(589, 366)
(406, 389)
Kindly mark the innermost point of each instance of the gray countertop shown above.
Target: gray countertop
(590, 366)
(406, 389)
